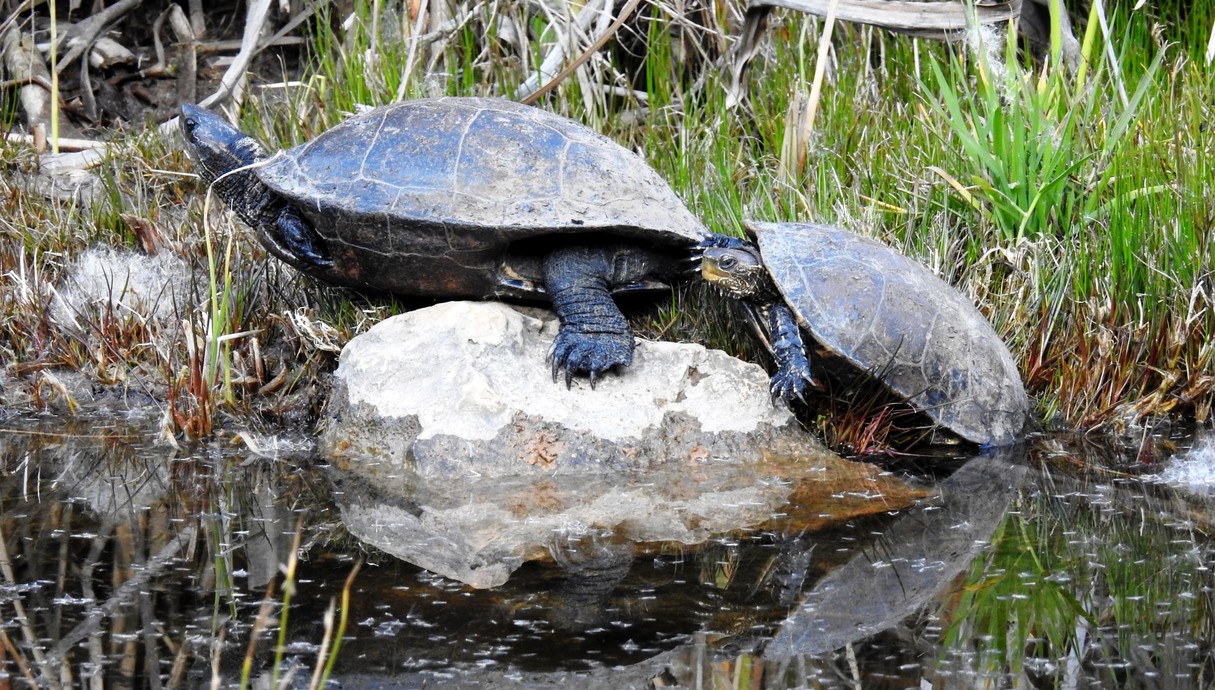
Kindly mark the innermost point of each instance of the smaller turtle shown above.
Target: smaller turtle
(878, 310)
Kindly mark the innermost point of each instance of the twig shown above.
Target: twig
(443, 31)
(280, 37)
(187, 76)
(566, 28)
(411, 55)
(595, 47)
(24, 63)
(12, 18)
(250, 46)
(18, 659)
(272, 42)
(1211, 45)
(820, 69)
(255, 21)
(27, 630)
(100, 539)
(25, 81)
(927, 19)
(66, 163)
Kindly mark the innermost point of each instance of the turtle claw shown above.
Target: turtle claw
(314, 259)
(790, 382)
(589, 354)
(722, 241)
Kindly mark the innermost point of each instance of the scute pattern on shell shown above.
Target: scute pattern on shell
(890, 315)
(424, 197)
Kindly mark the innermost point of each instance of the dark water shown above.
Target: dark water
(1053, 565)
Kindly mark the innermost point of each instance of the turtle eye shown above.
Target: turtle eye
(190, 123)
(728, 262)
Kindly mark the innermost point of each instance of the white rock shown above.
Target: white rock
(466, 384)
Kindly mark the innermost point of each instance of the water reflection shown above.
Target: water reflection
(910, 563)
(133, 566)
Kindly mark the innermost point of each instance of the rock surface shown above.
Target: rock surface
(463, 388)
(457, 452)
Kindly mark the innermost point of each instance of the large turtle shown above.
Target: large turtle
(881, 312)
(463, 197)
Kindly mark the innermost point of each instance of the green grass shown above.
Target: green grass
(1077, 220)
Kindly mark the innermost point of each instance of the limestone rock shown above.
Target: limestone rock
(463, 388)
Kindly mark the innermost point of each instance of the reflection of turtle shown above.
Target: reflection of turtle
(881, 312)
(463, 197)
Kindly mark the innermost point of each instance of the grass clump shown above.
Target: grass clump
(1078, 182)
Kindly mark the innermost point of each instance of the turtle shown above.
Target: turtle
(463, 197)
(877, 310)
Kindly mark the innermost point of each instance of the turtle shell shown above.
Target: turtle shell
(459, 197)
(887, 314)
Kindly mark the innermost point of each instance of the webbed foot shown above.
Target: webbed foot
(589, 354)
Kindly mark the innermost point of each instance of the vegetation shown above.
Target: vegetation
(1072, 206)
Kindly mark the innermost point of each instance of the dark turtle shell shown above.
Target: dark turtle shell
(888, 314)
(458, 197)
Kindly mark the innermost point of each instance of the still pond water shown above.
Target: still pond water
(1058, 564)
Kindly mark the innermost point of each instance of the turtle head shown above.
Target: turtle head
(736, 270)
(215, 147)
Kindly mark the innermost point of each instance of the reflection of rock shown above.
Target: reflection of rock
(101, 463)
(479, 529)
(913, 561)
(463, 389)
(117, 487)
(462, 456)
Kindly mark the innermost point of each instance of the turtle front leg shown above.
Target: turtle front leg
(594, 337)
(792, 367)
(297, 238)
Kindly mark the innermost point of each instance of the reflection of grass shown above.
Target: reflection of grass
(328, 649)
(1088, 577)
(1016, 596)
(115, 555)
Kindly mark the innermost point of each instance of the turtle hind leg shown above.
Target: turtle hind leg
(594, 337)
(793, 373)
(296, 236)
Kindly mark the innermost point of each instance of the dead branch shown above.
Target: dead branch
(24, 65)
(595, 47)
